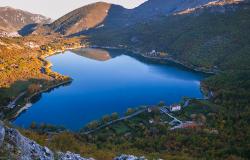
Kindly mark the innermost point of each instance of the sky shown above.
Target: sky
(57, 8)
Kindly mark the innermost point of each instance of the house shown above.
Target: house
(174, 108)
(151, 121)
(153, 52)
(149, 110)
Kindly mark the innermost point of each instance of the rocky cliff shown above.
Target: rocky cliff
(13, 145)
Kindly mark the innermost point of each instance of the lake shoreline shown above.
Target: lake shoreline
(28, 99)
(204, 90)
(158, 59)
(47, 65)
(66, 57)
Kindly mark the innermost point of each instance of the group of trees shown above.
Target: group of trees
(44, 128)
(112, 117)
(60, 44)
(33, 88)
(136, 136)
(105, 119)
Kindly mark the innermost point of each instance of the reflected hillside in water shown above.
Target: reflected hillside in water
(107, 81)
(95, 54)
(100, 54)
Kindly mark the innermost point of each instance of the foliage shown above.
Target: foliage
(206, 39)
(21, 65)
(114, 116)
(129, 111)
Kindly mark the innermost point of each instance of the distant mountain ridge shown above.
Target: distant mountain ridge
(104, 15)
(92, 17)
(12, 20)
(165, 7)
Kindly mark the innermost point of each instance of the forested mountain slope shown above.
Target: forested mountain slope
(210, 37)
(152, 8)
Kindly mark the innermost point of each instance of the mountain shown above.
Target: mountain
(82, 18)
(104, 15)
(87, 17)
(153, 8)
(193, 32)
(210, 36)
(12, 20)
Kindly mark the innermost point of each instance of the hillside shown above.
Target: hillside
(152, 8)
(212, 37)
(86, 17)
(12, 20)
(209, 37)
(101, 15)
(21, 64)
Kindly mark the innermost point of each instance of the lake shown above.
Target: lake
(107, 81)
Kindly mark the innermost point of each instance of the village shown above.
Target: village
(166, 116)
(155, 54)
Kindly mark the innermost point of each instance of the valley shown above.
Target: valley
(80, 77)
(108, 86)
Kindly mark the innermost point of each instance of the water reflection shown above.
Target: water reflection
(106, 81)
(95, 54)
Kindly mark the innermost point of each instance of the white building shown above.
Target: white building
(174, 108)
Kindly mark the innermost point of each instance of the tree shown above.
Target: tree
(106, 118)
(42, 126)
(201, 118)
(114, 116)
(33, 88)
(161, 104)
(92, 125)
(33, 125)
(129, 111)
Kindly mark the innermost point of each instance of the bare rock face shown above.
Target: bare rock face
(26, 148)
(13, 145)
(129, 157)
(71, 156)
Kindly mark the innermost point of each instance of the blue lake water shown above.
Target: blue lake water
(107, 81)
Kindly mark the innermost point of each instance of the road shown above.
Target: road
(164, 110)
(115, 121)
(12, 104)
